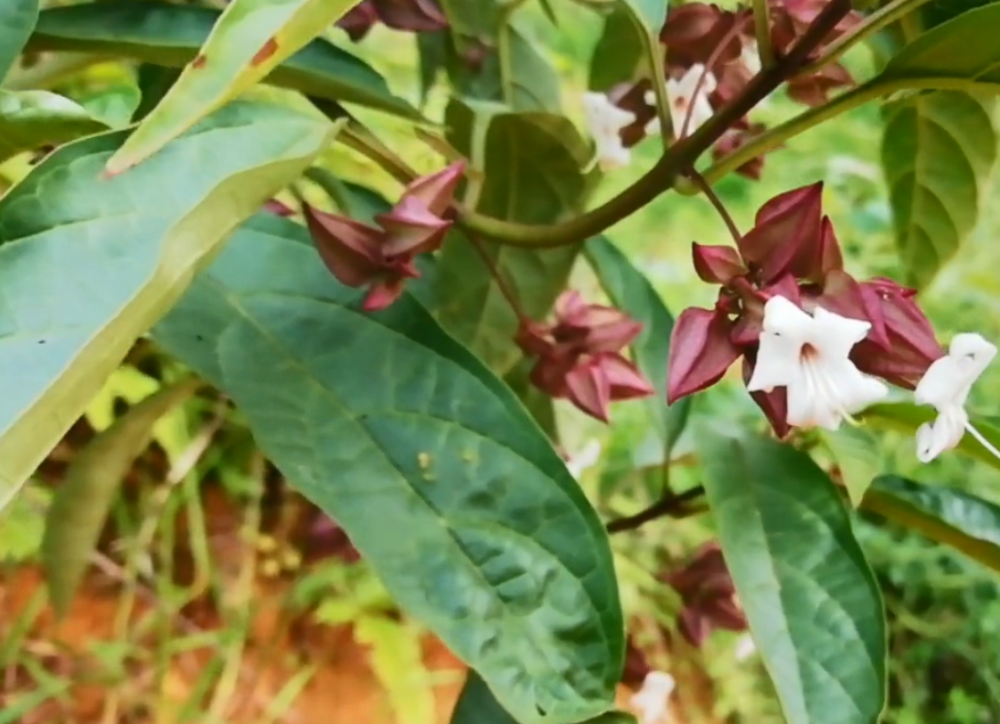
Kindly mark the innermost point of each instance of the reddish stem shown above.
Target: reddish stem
(502, 285)
(706, 189)
(709, 65)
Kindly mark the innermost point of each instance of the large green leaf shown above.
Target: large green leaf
(964, 47)
(74, 520)
(88, 264)
(907, 417)
(947, 515)
(813, 605)
(17, 19)
(444, 483)
(477, 705)
(171, 35)
(616, 57)
(514, 72)
(532, 163)
(32, 119)
(938, 151)
(249, 40)
(631, 292)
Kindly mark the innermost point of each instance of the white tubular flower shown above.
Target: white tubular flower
(946, 386)
(585, 459)
(808, 355)
(605, 121)
(750, 57)
(652, 700)
(681, 94)
(653, 127)
(745, 647)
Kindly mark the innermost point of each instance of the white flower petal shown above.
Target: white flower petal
(585, 459)
(839, 334)
(946, 385)
(778, 362)
(605, 121)
(651, 701)
(681, 94)
(809, 356)
(750, 57)
(934, 438)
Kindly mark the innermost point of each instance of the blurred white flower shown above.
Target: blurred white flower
(745, 647)
(585, 459)
(651, 702)
(946, 386)
(682, 97)
(605, 121)
(750, 57)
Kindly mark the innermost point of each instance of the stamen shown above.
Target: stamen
(982, 440)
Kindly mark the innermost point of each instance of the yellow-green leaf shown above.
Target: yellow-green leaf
(857, 454)
(80, 506)
(32, 119)
(250, 39)
(87, 264)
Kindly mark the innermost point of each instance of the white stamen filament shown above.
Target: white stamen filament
(982, 440)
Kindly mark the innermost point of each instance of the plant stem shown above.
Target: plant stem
(681, 155)
(703, 185)
(505, 290)
(674, 506)
(871, 90)
(884, 16)
(762, 31)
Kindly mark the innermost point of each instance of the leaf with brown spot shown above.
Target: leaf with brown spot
(249, 40)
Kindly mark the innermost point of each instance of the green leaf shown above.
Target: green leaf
(631, 292)
(389, 425)
(857, 454)
(652, 13)
(154, 82)
(477, 705)
(813, 605)
(532, 163)
(617, 58)
(907, 417)
(17, 19)
(80, 506)
(478, 19)
(32, 119)
(110, 256)
(249, 40)
(171, 35)
(937, 12)
(938, 151)
(515, 73)
(946, 515)
(964, 48)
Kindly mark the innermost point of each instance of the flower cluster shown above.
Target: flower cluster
(710, 56)
(708, 594)
(382, 257)
(579, 356)
(813, 339)
(413, 15)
